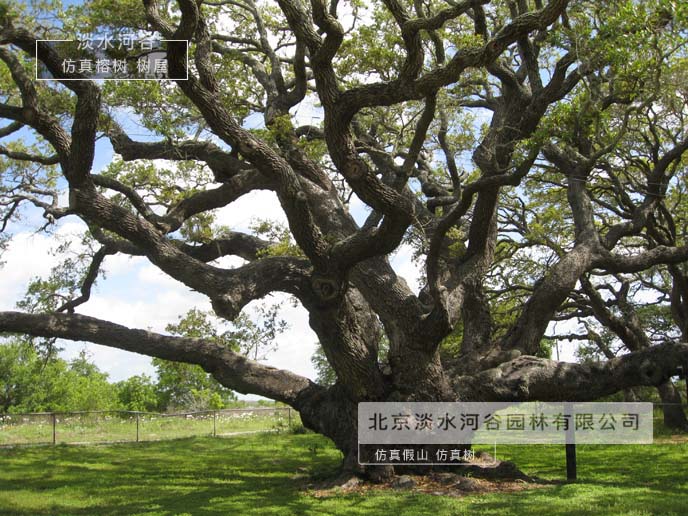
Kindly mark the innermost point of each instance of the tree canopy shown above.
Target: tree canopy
(532, 154)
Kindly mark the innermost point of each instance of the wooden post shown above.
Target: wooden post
(54, 428)
(571, 469)
(214, 423)
(571, 473)
(137, 427)
(685, 378)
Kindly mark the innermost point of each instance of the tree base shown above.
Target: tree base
(482, 476)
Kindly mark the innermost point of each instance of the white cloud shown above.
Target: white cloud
(564, 350)
(153, 312)
(29, 255)
(153, 276)
(358, 209)
(122, 264)
(136, 294)
(297, 344)
(403, 264)
(229, 262)
(259, 204)
(119, 364)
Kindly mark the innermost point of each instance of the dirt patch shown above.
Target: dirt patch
(671, 439)
(444, 484)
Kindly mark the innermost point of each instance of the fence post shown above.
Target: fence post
(571, 473)
(54, 429)
(137, 426)
(571, 470)
(214, 423)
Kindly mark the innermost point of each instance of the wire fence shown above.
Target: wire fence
(110, 426)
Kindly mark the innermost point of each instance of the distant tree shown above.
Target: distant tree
(88, 387)
(138, 393)
(188, 387)
(325, 373)
(30, 382)
(20, 379)
(184, 386)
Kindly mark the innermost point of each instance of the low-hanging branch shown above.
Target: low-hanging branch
(230, 368)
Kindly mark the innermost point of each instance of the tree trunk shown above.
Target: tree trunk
(674, 417)
(334, 414)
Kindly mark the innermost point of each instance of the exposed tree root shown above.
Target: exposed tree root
(483, 475)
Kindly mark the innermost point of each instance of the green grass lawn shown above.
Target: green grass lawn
(266, 473)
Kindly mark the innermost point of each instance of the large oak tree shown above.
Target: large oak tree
(533, 155)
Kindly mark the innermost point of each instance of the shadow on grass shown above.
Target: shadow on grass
(193, 476)
(266, 474)
(629, 479)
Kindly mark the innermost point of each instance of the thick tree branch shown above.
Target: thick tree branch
(257, 152)
(25, 156)
(30, 113)
(528, 378)
(89, 280)
(229, 368)
(83, 132)
(10, 129)
(224, 165)
(234, 243)
(617, 263)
